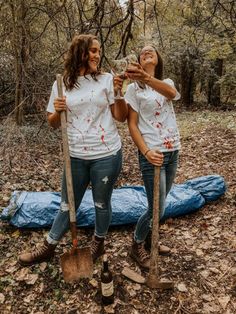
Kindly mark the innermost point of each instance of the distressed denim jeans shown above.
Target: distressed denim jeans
(167, 175)
(102, 173)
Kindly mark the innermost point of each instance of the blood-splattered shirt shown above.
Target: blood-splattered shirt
(156, 122)
(92, 132)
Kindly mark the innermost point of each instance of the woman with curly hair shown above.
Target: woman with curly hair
(94, 142)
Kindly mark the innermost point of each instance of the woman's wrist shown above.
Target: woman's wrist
(57, 113)
(146, 152)
(148, 78)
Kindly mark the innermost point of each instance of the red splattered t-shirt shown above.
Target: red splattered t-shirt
(157, 121)
(92, 132)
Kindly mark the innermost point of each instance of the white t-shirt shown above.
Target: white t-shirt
(157, 122)
(92, 132)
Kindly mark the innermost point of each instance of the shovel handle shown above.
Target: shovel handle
(66, 153)
(153, 276)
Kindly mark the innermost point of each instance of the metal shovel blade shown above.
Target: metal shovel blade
(163, 284)
(77, 264)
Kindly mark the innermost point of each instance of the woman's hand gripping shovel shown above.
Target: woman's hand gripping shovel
(153, 280)
(78, 262)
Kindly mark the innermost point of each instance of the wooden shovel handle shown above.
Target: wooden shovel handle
(153, 277)
(66, 154)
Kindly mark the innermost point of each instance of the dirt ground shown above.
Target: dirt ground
(202, 261)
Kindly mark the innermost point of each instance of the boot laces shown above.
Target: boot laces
(40, 251)
(95, 246)
(142, 253)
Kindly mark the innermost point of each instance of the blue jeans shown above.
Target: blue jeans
(167, 175)
(102, 173)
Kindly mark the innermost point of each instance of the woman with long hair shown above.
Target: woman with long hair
(154, 130)
(94, 142)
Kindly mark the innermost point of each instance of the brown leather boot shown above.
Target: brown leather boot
(163, 249)
(97, 248)
(42, 254)
(139, 254)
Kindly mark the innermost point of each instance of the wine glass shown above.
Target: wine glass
(131, 58)
(119, 67)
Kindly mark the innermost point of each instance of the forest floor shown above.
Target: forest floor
(203, 259)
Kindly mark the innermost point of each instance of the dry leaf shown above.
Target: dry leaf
(199, 252)
(22, 274)
(16, 234)
(181, 287)
(137, 287)
(43, 266)
(205, 273)
(93, 282)
(207, 297)
(29, 298)
(41, 287)
(2, 298)
(214, 270)
(109, 309)
(31, 279)
(12, 269)
(224, 300)
(131, 291)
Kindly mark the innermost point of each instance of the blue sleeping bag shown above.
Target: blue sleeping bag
(38, 209)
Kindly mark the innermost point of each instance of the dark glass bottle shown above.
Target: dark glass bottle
(107, 287)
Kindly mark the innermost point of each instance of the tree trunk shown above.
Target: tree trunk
(187, 78)
(214, 91)
(21, 51)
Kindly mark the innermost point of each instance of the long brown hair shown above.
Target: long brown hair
(159, 67)
(77, 58)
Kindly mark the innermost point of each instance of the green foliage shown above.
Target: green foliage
(219, 50)
(190, 35)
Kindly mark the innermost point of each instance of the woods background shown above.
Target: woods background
(198, 44)
(196, 38)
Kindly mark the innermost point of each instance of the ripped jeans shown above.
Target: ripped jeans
(102, 173)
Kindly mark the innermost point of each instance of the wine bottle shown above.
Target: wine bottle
(107, 287)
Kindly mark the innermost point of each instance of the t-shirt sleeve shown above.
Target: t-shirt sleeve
(50, 107)
(110, 89)
(131, 98)
(171, 83)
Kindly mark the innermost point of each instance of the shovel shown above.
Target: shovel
(77, 263)
(152, 280)
(153, 276)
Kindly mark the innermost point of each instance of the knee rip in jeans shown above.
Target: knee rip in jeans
(99, 205)
(105, 180)
(64, 207)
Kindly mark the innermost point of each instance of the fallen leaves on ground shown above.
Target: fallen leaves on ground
(202, 262)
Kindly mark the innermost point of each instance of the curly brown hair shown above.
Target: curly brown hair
(77, 58)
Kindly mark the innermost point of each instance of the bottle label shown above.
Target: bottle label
(107, 289)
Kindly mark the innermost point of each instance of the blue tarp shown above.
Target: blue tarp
(38, 209)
